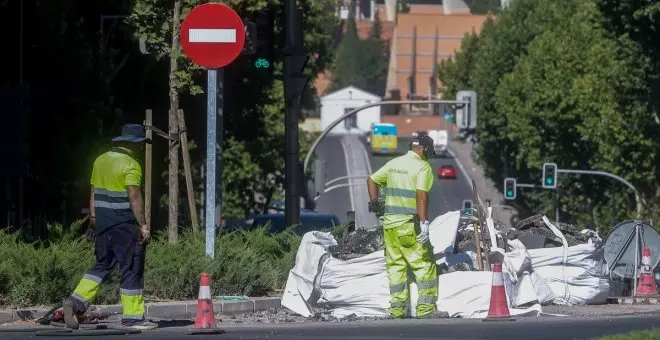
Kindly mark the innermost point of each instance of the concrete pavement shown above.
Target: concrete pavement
(164, 310)
(446, 194)
(523, 328)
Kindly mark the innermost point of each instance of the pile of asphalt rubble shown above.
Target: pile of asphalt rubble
(534, 234)
(357, 243)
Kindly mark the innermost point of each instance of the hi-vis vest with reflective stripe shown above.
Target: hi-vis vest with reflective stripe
(112, 172)
(400, 192)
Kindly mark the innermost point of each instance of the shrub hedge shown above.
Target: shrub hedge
(248, 263)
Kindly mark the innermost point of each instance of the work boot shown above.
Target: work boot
(138, 324)
(435, 315)
(71, 308)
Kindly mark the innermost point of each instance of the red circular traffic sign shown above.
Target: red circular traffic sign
(212, 35)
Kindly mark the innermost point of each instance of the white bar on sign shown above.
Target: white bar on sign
(204, 35)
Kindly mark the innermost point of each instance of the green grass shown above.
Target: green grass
(249, 263)
(651, 334)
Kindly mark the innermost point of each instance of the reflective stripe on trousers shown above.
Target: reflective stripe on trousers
(117, 245)
(401, 250)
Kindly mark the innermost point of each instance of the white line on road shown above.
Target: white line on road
(348, 173)
(366, 160)
(205, 35)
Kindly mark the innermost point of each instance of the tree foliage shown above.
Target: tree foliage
(361, 62)
(554, 86)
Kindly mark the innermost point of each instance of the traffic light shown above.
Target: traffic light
(250, 47)
(466, 115)
(467, 207)
(549, 175)
(510, 188)
(265, 22)
(259, 39)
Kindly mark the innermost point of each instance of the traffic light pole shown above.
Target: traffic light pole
(295, 59)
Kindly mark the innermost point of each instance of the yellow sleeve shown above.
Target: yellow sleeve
(133, 174)
(380, 176)
(424, 180)
(94, 179)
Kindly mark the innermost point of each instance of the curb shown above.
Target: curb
(180, 310)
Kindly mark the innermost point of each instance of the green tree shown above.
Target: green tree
(253, 122)
(553, 86)
(361, 62)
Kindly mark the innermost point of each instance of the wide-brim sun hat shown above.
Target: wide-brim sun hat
(132, 133)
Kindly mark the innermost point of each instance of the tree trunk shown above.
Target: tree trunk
(173, 179)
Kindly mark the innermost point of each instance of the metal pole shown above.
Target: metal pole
(638, 198)
(346, 177)
(327, 130)
(211, 111)
(334, 187)
(557, 205)
(293, 31)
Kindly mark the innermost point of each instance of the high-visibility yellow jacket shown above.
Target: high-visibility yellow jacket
(401, 177)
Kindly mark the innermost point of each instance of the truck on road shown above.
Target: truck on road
(440, 142)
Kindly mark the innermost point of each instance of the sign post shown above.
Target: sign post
(212, 36)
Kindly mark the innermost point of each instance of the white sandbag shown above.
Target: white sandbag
(312, 253)
(442, 232)
(575, 275)
(357, 286)
(360, 286)
(467, 295)
(544, 293)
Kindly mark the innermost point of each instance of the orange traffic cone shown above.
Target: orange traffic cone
(205, 318)
(499, 308)
(646, 284)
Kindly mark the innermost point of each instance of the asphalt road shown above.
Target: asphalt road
(523, 328)
(337, 201)
(446, 194)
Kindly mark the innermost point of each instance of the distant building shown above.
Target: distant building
(338, 103)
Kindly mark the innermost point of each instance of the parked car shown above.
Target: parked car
(309, 221)
(447, 171)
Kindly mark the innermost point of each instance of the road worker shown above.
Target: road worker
(406, 180)
(120, 231)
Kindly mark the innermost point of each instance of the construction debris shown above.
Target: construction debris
(534, 234)
(358, 243)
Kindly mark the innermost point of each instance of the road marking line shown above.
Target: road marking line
(348, 172)
(366, 159)
(205, 35)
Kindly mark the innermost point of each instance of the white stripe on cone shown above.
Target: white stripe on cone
(204, 292)
(498, 279)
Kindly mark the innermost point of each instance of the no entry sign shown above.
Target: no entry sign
(212, 35)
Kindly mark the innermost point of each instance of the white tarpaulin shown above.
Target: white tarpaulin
(574, 275)
(360, 286)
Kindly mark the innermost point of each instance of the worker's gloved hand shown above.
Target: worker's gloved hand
(423, 236)
(376, 206)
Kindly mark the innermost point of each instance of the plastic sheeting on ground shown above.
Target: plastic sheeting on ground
(360, 286)
(569, 275)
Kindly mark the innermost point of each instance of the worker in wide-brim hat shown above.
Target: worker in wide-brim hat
(119, 228)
